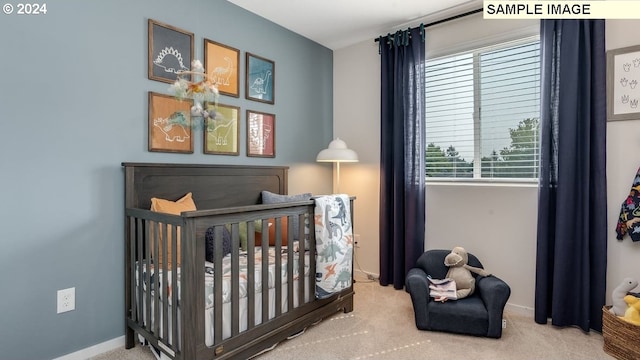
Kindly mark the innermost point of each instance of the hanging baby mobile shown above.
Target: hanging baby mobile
(201, 88)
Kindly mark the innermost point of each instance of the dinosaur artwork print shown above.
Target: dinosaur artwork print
(170, 126)
(222, 67)
(260, 79)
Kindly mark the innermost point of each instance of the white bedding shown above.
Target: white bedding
(227, 293)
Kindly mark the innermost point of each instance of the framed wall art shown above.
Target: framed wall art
(170, 50)
(623, 83)
(260, 79)
(170, 124)
(222, 134)
(221, 62)
(261, 134)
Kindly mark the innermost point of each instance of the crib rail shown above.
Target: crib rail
(151, 287)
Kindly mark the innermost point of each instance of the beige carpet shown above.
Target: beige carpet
(382, 327)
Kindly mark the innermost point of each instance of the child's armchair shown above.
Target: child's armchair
(479, 314)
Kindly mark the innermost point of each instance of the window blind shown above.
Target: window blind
(482, 112)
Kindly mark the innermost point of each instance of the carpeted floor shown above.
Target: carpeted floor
(382, 327)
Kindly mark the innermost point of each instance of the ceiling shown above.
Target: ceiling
(340, 23)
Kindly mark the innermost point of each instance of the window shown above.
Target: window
(483, 111)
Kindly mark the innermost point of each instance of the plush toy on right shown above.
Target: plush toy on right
(460, 272)
(632, 314)
(617, 296)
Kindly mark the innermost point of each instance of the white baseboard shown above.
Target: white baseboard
(520, 310)
(95, 350)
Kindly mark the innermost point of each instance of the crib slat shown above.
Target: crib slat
(265, 272)
(174, 283)
(251, 276)
(155, 299)
(217, 286)
(140, 263)
(301, 277)
(160, 247)
(165, 286)
(147, 277)
(290, 279)
(235, 283)
(312, 258)
(278, 267)
(135, 295)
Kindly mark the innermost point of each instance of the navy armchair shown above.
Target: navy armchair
(479, 314)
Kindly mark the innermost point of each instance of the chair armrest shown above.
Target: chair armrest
(417, 280)
(417, 285)
(494, 293)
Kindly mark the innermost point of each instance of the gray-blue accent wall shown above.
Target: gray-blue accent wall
(73, 106)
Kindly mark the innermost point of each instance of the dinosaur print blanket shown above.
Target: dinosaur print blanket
(334, 244)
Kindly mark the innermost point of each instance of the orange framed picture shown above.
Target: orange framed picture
(221, 63)
(169, 125)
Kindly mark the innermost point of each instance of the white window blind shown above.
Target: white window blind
(483, 111)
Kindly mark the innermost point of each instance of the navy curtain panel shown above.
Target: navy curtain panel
(402, 154)
(572, 205)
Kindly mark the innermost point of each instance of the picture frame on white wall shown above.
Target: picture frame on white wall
(623, 83)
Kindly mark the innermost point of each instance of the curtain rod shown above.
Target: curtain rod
(445, 20)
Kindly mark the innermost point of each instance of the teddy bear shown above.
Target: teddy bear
(460, 272)
(617, 296)
(632, 314)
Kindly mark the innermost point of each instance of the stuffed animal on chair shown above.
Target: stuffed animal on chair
(460, 272)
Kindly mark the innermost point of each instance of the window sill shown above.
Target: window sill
(482, 182)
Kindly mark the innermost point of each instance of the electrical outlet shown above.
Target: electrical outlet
(504, 323)
(66, 300)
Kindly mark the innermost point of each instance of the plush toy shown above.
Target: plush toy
(460, 272)
(617, 296)
(632, 314)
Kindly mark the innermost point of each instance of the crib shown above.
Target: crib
(238, 276)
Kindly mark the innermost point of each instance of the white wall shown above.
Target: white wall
(356, 101)
(623, 160)
(496, 222)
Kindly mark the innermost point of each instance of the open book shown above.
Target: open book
(442, 289)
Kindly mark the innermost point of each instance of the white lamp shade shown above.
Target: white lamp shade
(337, 152)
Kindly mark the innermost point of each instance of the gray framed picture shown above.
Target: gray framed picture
(260, 79)
(170, 51)
(623, 83)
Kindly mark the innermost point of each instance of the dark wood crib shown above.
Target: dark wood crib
(227, 196)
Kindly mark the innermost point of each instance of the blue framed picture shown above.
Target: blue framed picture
(260, 84)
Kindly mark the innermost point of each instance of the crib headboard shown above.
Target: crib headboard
(213, 186)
